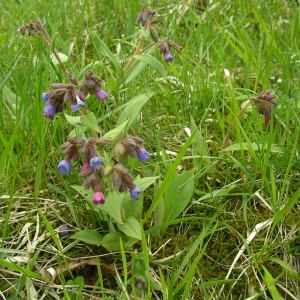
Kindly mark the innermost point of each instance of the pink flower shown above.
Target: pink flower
(98, 197)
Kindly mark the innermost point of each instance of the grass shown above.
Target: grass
(233, 233)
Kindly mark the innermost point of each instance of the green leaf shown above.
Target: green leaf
(168, 178)
(90, 121)
(288, 206)
(178, 195)
(11, 99)
(112, 205)
(133, 107)
(217, 193)
(136, 69)
(19, 269)
(104, 50)
(75, 121)
(88, 236)
(286, 267)
(251, 146)
(199, 147)
(111, 241)
(153, 63)
(133, 207)
(62, 57)
(131, 228)
(270, 282)
(115, 133)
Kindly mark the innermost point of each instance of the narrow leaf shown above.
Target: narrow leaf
(114, 134)
(153, 63)
(251, 146)
(270, 282)
(90, 121)
(133, 108)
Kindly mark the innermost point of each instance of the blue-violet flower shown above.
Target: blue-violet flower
(95, 161)
(168, 57)
(134, 192)
(101, 95)
(64, 167)
(142, 154)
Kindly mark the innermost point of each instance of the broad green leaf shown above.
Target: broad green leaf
(270, 282)
(131, 228)
(88, 236)
(178, 195)
(75, 121)
(153, 63)
(251, 146)
(90, 121)
(112, 205)
(168, 178)
(116, 132)
(199, 147)
(111, 241)
(133, 108)
(104, 50)
(134, 207)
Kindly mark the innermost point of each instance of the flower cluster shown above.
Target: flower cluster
(93, 168)
(264, 102)
(132, 146)
(123, 180)
(165, 46)
(145, 17)
(61, 93)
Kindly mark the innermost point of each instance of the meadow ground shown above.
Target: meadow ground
(218, 216)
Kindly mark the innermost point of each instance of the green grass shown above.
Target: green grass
(235, 235)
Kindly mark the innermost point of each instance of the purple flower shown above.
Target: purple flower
(75, 107)
(95, 161)
(98, 197)
(64, 229)
(142, 154)
(134, 192)
(101, 95)
(168, 57)
(50, 110)
(64, 167)
(45, 97)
